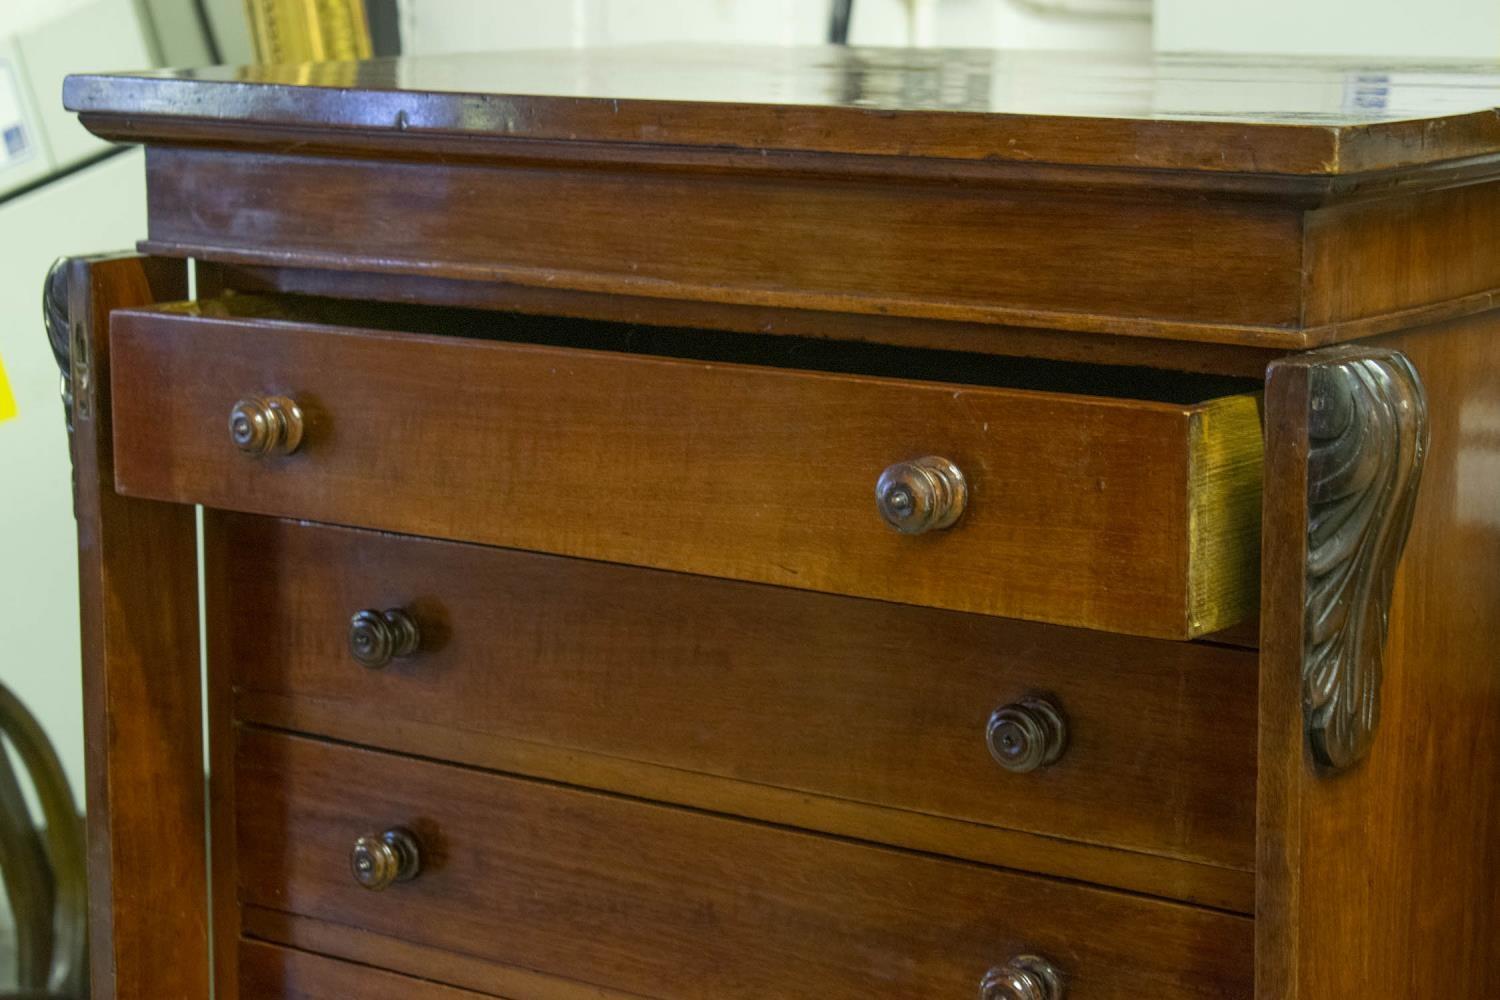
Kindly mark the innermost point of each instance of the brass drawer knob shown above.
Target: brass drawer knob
(266, 425)
(377, 637)
(1027, 735)
(927, 494)
(1025, 977)
(379, 861)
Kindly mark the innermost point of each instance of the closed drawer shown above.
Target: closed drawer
(671, 903)
(851, 699)
(1128, 515)
(267, 972)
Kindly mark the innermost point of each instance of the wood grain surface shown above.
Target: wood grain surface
(674, 903)
(1079, 510)
(416, 961)
(269, 971)
(1198, 199)
(1070, 257)
(1138, 110)
(1386, 880)
(148, 879)
(832, 696)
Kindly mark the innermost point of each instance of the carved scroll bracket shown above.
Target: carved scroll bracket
(60, 337)
(1367, 438)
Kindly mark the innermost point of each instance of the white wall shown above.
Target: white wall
(1432, 28)
(1018, 24)
(1408, 28)
(18, 15)
(98, 209)
(434, 26)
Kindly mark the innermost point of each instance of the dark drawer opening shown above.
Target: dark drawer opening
(770, 350)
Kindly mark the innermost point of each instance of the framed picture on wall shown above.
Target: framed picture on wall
(302, 31)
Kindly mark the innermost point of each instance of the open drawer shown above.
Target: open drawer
(975, 487)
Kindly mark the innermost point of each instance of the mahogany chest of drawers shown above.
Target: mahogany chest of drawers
(778, 524)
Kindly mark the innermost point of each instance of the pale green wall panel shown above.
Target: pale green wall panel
(1433, 28)
(97, 209)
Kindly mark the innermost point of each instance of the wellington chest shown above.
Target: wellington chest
(823, 523)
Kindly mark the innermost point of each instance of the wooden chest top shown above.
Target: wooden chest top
(1288, 117)
(1050, 204)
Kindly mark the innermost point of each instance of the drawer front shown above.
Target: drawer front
(1123, 515)
(267, 972)
(671, 903)
(853, 699)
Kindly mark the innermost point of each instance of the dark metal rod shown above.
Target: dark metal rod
(838, 22)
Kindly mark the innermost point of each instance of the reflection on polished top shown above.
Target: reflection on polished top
(1296, 116)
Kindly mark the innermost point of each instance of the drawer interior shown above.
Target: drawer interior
(770, 350)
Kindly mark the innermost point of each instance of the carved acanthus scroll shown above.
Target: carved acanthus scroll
(55, 319)
(1367, 437)
(60, 338)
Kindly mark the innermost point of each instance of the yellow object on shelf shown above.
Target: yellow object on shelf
(308, 31)
(7, 398)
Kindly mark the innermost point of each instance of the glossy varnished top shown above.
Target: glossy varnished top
(1301, 117)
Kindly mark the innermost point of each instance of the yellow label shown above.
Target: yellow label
(7, 398)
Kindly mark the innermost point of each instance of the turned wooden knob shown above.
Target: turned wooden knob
(377, 637)
(381, 860)
(266, 425)
(1025, 977)
(1026, 735)
(927, 494)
